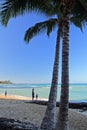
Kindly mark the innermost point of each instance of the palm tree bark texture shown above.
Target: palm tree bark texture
(62, 123)
(49, 120)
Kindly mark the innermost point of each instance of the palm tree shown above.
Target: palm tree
(62, 123)
(49, 122)
(9, 10)
(63, 109)
(50, 7)
(50, 114)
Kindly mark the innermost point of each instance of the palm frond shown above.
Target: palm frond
(57, 7)
(46, 26)
(77, 22)
(84, 3)
(79, 14)
(12, 8)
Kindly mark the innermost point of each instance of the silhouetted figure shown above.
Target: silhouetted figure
(33, 94)
(5, 93)
(36, 96)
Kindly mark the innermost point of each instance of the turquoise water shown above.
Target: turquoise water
(76, 91)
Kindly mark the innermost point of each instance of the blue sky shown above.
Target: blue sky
(33, 62)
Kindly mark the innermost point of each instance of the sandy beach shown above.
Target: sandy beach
(21, 109)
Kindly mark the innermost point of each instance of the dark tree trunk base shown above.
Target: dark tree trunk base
(11, 124)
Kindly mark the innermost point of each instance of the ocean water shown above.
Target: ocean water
(77, 92)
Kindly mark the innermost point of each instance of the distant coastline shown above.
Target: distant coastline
(6, 82)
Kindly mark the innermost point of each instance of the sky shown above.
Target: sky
(33, 62)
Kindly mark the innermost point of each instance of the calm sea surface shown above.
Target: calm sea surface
(78, 92)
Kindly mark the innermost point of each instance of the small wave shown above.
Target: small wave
(33, 86)
(70, 87)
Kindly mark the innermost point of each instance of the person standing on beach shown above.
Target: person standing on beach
(33, 94)
(5, 93)
(36, 96)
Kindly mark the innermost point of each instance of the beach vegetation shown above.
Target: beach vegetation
(65, 11)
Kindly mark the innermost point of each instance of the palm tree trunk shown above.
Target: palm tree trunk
(62, 123)
(48, 122)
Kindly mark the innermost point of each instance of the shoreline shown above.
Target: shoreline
(17, 97)
(14, 97)
(43, 89)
